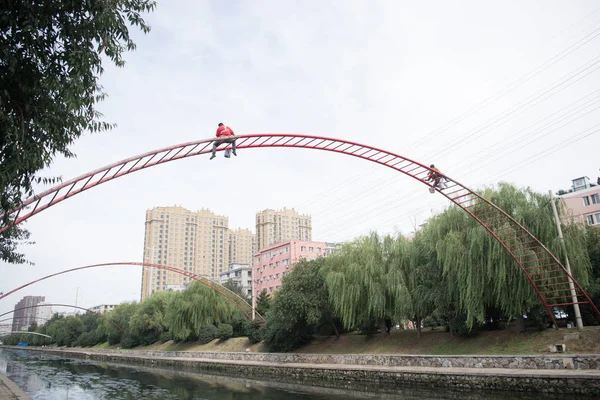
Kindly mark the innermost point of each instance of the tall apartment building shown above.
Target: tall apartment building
(273, 263)
(194, 241)
(582, 203)
(277, 226)
(241, 246)
(23, 317)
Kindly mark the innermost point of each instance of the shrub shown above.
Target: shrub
(458, 326)
(225, 332)
(253, 332)
(165, 337)
(539, 318)
(207, 334)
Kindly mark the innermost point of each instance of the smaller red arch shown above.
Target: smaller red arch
(231, 296)
(64, 305)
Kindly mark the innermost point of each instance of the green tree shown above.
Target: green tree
(365, 280)
(65, 331)
(120, 315)
(148, 323)
(225, 331)
(299, 309)
(478, 273)
(263, 303)
(51, 56)
(236, 288)
(194, 308)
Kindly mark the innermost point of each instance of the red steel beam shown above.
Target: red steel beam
(277, 140)
(64, 305)
(223, 291)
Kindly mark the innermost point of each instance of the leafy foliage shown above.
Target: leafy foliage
(225, 331)
(365, 279)
(263, 303)
(195, 308)
(207, 334)
(51, 57)
(452, 273)
(299, 309)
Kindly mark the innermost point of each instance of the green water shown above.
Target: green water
(48, 377)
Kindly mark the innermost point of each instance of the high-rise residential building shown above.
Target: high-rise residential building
(26, 312)
(273, 263)
(277, 226)
(193, 241)
(582, 203)
(241, 246)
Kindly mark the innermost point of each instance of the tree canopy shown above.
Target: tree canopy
(51, 60)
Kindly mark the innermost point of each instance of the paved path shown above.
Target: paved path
(10, 391)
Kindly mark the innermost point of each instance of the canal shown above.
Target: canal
(48, 377)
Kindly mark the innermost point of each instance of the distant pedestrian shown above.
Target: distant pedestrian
(223, 131)
(388, 326)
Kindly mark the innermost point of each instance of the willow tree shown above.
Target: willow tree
(120, 315)
(188, 311)
(365, 280)
(148, 322)
(423, 278)
(478, 271)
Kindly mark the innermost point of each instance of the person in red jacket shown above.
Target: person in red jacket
(437, 178)
(223, 131)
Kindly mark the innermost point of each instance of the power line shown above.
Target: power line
(536, 71)
(595, 63)
(564, 53)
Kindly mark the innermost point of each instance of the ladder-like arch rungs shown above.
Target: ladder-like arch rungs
(514, 237)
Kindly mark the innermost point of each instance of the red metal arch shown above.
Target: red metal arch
(12, 319)
(548, 277)
(64, 305)
(231, 296)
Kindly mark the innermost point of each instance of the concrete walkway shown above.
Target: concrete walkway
(10, 391)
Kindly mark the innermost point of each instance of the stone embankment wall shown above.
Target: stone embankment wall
(566, 374)
(567, 361)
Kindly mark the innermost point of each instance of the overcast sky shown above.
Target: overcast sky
(488, 91)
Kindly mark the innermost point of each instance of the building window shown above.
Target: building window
(598, 218)
(303, 248)
(310, 249)
(586, 200)
(590, 219)
(596, 198)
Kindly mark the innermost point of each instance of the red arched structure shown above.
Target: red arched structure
(233, 297)
(63, 305)
(12, 319)
(549, 278)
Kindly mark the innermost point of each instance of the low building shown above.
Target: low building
(103, 308)
(241, 275)
(273, 263)
(582, 203)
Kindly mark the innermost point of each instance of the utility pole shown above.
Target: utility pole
(252, 291)
(564, 247)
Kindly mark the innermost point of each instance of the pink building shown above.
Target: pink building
(582, 203)
(271, 264)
